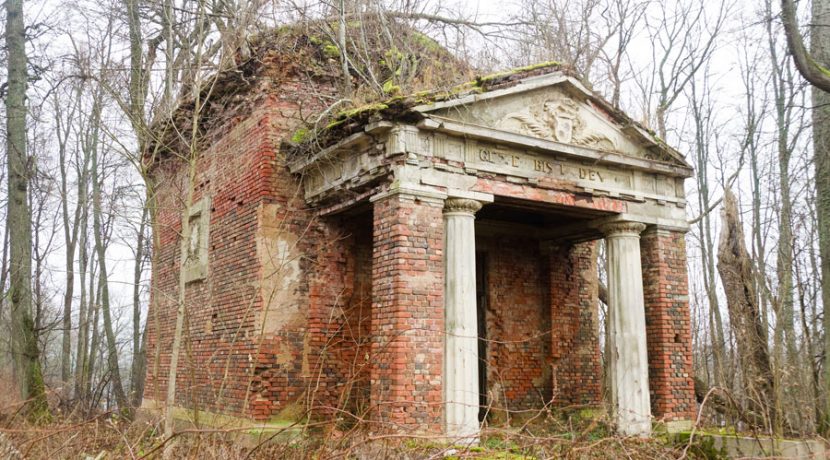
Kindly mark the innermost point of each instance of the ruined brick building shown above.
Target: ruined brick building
(422, 261)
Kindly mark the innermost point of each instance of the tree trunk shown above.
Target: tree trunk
(70, 234)
(93, 314)
(98, 232)
(4, 276)
(82, 347)
(784, 92)
(25, 350)
(137, 370)
(820, 48)
(735, 268)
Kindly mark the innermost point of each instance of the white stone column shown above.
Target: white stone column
(628, 360)
(461, 343)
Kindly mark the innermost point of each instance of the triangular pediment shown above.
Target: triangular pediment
(557, 108)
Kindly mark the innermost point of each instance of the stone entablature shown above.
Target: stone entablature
(535, 134)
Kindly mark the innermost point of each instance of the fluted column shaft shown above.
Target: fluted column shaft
(628, 360)
(461, 343)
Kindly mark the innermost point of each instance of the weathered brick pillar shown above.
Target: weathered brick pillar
(407, 313)
(577, 369)
(668, 327)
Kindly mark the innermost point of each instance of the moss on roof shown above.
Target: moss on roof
(348, 121)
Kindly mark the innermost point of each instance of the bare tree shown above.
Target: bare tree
(786, 97)
(63, 128)
(705, 134)
(684, 37)
(139, 363)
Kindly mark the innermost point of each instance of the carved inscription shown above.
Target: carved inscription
(499, 158)
(528, 164)
(549, 167)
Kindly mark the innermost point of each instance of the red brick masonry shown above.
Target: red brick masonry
(668, 327)
(408, 311)
(575, 331)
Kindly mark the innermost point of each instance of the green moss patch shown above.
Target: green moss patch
(506, 73)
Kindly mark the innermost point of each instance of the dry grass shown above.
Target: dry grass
(545, 437)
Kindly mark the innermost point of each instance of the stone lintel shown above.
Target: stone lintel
(342, 206)
(650, 222)
(458, 166)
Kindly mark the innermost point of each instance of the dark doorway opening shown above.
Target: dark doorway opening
(481, 313)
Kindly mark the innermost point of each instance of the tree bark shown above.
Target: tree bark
(735, 268)
(27, 368)
(93, 314)
(813, 68)
(82, 346)
(820, 49)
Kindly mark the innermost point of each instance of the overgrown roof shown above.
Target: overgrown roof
(309, 139)
(389, 79)
(382, 66)
(348, 121)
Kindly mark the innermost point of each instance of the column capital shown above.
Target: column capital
(622, 228)
(461, 205)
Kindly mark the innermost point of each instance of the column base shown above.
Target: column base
(639, 428)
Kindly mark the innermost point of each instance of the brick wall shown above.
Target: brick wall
(340, 320)
(668, 328)
(260, 326)
(518, 323)
(408, 313)
(577, 370)
(221, 309)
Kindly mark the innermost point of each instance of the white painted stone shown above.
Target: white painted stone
(461, 342)
(628, 360)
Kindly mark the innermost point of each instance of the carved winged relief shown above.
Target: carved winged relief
(559, 121)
